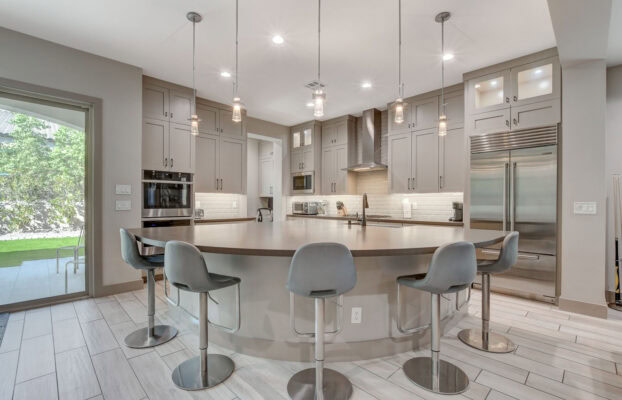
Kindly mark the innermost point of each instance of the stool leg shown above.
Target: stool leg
(153, 334)
(432, 373)
(206, 370)
(319, 348)
(483, 339)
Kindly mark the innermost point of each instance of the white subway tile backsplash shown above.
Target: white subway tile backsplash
(220, 205)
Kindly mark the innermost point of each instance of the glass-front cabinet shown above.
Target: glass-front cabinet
(489, 92)
(534, 82)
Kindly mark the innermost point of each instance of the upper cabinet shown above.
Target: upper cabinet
(305, 147)
(521, 94)
(167, 146)
(165, 103)
(336, 133)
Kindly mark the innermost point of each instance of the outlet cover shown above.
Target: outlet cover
(234, 205)
(585, 207)
(357, 315)
(123, 189)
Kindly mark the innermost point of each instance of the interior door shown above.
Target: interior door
(155, 144)
(489, 189)
(534, 198)
(400, 163)
(425, 162)
(207, 164)
(266, 177)
(181, 148)
(232, 165)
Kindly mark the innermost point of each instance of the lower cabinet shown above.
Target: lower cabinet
(220, 164)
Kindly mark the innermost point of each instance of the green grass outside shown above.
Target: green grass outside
(14, 252)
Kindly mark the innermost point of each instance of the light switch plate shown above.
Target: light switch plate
(123, 205)
(585, 207)
(234, 204)
(123, 189)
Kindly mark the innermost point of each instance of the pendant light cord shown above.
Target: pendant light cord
(194, 89)
(400, 85)
(443, 65)
(236, 49)
(319, 54)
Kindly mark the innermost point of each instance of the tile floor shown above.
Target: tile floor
(75, 351)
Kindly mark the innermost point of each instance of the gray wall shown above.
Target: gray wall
(613, 158)
(39, 62)
(583, 179)
(252, 177)
(261, 127)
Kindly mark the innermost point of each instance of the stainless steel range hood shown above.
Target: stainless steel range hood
(368, 139)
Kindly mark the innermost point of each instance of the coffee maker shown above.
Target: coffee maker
(457, 206)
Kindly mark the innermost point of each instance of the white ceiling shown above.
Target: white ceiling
(359, 42)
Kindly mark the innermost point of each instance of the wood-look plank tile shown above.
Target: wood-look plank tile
(135, 309)
(476, 391)
(63, 311)
(120, 331)
(402, 381)
(36, 358)
(67, 335)
(590, 385)
(169, 347)
(8, 361)
(380, 367)
(104, 299)
(98, 337)
(12, 335)
(87, 310)
(256, 383)
(113, 312)
(42, 388)
(16, 316)
(559, 389)
(512, 388)
(494, 395)
(155, 377)
(37, 323)
(116, 377)
(76, 376)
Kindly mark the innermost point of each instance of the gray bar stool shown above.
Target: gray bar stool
(320, 271)
(152, 335)
(483, 339)
(452, 269)
(186, 270)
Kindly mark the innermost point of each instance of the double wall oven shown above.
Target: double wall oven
(167, 195)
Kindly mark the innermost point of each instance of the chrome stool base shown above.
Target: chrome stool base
(489, 341)
(336, 386)
(140, 338)
(187, 375)
(450, 379)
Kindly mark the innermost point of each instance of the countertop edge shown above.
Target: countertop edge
(389, 220)
(216, 220)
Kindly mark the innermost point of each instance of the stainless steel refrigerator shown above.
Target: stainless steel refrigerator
(514, 188)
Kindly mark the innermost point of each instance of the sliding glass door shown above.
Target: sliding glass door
(42, 200)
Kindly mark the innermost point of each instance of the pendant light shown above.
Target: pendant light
(399, 103)
(195, 18)
(442, 119)
(319, 92)
(237, 105)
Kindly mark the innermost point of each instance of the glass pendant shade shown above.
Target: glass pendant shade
(442, 125)
(194, 124)
(237, 110)
(399, 111)
(319, 97)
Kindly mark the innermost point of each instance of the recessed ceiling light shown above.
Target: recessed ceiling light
(366, 85)
(277, 39)
(225, 74)
(448, 56)
(310, 104)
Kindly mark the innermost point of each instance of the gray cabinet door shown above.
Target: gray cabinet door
(425, 161)
(232, 165)
(296, 160)
(489, 122)
(400, 166)
(228, 127)
(207, 163)
(180, 107)
(341, 133)
(452, 161)
(266, 177)
(307, 159)
(534, 115)
(395, 128)
(341, 176)
(155, 102)
(454, 109)
(328, 168)
(536, 82)
(424, 114)
(329, 135)
(181, 148)
(489, 92)
(208, 117)
(155, 144)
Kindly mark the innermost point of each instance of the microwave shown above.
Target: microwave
(305, 207)
(303, 183)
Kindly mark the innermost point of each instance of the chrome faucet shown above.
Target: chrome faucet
(365, 205)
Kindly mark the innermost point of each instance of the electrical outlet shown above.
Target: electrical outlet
(357, 315)
(123, 205)
(585, 207)
(123, 189)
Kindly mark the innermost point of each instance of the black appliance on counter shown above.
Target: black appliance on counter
(457, 206)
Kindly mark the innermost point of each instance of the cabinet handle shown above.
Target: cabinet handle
(171, 162)
(507, 122)
(166, 113)
(515, 98)
(165, 161)
(171, 115)
(440, 181)
(216, 183)
(221, 184)
(414, 183)
(507, 99)
(515, 121)
(408, 183)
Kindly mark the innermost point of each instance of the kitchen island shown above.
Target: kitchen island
(260, 254)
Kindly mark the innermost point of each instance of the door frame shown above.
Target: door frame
(92, 107)
(279, 212)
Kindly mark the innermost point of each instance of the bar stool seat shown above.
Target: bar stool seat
(152, 335)
(452, 269)
(483, 339)
(186, 270)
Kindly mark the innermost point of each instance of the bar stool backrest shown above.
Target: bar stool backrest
(508, 254)
(322, 270)
(129, 251)
(452, 268)
(185, 267)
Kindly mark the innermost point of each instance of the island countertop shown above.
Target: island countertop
(283, 238)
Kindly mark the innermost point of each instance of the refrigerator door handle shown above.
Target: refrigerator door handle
(513, 196)
(505, 195)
